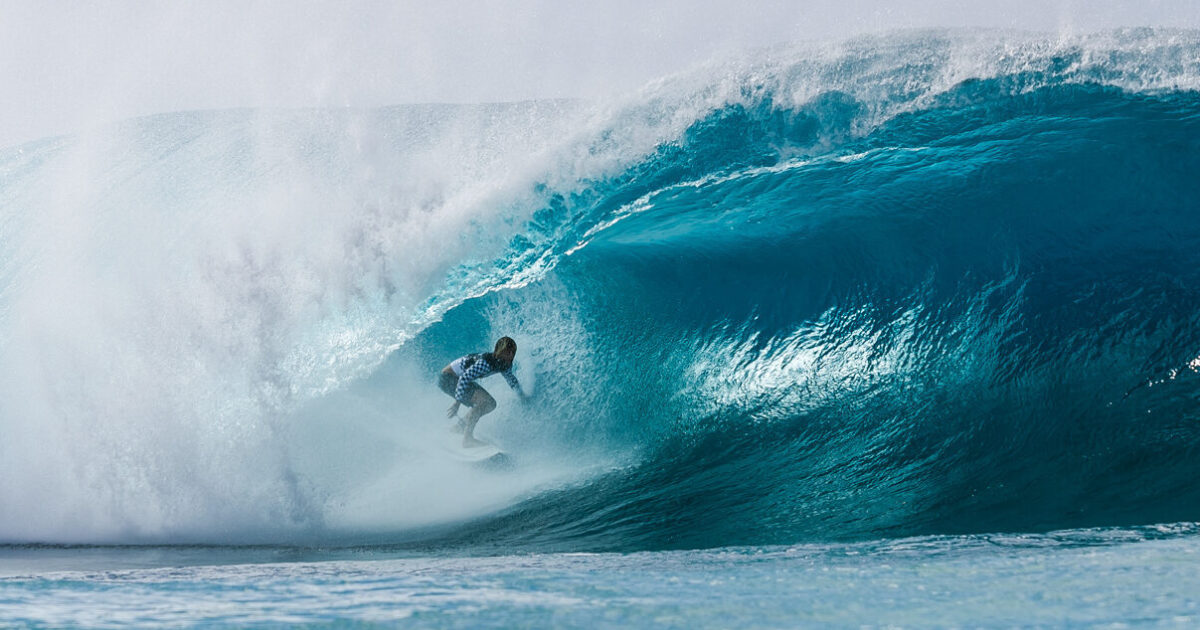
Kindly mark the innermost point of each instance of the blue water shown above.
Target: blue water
(1135, 577)
(901, 330)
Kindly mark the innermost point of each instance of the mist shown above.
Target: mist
(69, 66)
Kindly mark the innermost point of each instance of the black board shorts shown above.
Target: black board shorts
(448, 382)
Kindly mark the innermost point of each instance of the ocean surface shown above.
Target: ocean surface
(896, 331)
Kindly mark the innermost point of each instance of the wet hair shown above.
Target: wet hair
(505, 343)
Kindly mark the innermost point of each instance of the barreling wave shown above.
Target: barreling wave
(923, 283)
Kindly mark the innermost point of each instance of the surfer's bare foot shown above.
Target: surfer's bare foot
(471, 442)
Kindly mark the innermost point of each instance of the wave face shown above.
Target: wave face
(937, 282)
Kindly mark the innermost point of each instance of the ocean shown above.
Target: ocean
(900, 330)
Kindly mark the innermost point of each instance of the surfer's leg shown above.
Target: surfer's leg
(481, 403)
(447, 381)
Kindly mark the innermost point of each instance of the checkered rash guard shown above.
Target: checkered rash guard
(476, 366)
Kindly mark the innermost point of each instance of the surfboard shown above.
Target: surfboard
(452, 445)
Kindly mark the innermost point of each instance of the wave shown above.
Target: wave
(925, 283)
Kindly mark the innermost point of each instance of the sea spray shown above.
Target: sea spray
(891, 285)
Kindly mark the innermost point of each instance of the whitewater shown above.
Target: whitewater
(911, 314)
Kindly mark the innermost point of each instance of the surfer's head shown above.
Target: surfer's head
(506, 349)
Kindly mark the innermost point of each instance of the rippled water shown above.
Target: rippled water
(1143, 577)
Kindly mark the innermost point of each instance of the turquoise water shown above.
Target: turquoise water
(806, 328)
(1147, 577)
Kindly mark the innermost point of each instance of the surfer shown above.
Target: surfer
(458, 380)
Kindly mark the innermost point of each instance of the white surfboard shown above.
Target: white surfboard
(452, 444)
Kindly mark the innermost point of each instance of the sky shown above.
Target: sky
(69, 65)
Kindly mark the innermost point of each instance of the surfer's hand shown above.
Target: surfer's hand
(453, 410)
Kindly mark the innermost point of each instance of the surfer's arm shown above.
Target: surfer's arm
(480, 369)
(514, 383)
